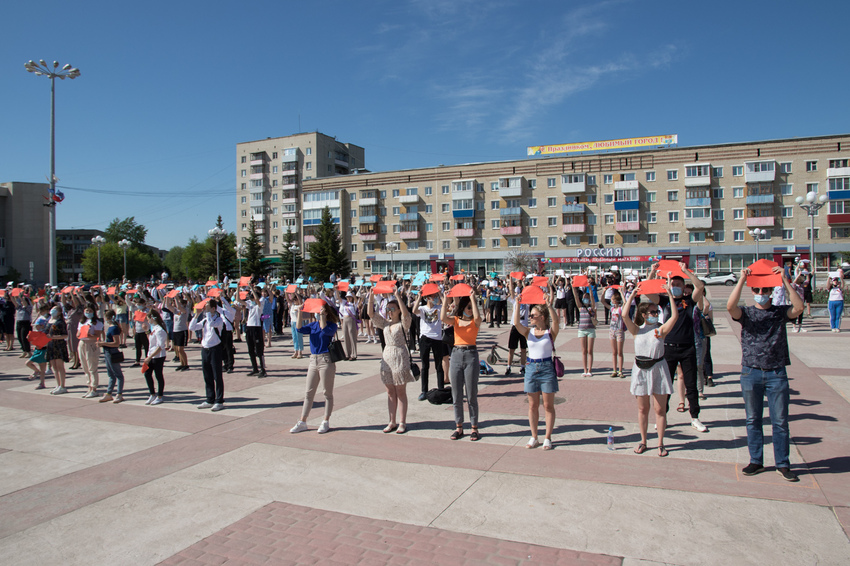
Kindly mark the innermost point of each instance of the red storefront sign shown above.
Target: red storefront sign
(630, 258)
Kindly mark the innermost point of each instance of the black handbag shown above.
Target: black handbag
(449, 335)
(707, 326)
(644, 362)
(414, 368)
(117, 357)
(336, 351)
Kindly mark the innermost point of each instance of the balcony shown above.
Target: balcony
(259, 229)
(627, 205)
(292, 200)
(838, 172)
(760, 199)
(409, 217)
(573, 184)
(512, 211)
(288, 214)
(572, 208)
(260, 160)
(573, 228)
(257, 217)
(369, 201)
(309, 239)
(761, 176)
(289, 169)
(698, 202)
(758, 221)
(698, 181)
(408, 199)
(409, 235)
(463, 213)
(626, 185)
(511, 230)
(368, 237)
(341, 163)
(509, 192)
(837, 219)
(838, 195)
(256, 176)
(627, 226)
(289, 186)
(698, 223)
(372, 219)
(320, 204)
(464, 232)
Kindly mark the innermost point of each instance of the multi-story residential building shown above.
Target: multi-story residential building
(695, 204)
(24, 231)
(269, 176)
(72, 245)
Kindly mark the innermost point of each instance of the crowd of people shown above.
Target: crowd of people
(439, 318)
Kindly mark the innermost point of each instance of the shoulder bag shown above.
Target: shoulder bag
(707, 326)
(414, 368)
(336, 351)
(557, 364)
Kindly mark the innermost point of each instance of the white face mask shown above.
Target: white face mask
(762, 299)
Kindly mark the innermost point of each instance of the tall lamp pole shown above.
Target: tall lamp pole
(392, 246)
(43, 69)
(815, 203)
(124, 244)
(98, 241)
(240, 251)
(217, 234)
(293, 249)
(757, 235)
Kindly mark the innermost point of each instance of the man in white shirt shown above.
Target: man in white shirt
(209, 321)
(254, 330)
(430, 337)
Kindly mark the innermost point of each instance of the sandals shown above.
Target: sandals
(390, 428)
(457, 435)
(547, 444)
(402, 428)
(662, 452)
(641, 448)
(532, 443)
(681, 408)
(474, 436)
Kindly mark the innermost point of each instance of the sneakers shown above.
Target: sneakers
(795, 329)
(422, 396)
(106, 398)
(522, 372)
(156, 401)
(205, 405)
(150, 399)
(324, 427)
(753, 469)
(709, 382)
(787, 474)
(59, 391)
(300, 426)
(699, 426)
(90, 395)
(508, 371)
(262, 373)
(118, 399)
(803, 329)
(253, 372)
(217, 407)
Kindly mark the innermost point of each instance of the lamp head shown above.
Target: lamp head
(823, 198)
(799, 200)
(811, 196)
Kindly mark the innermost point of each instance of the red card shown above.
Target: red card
(145, 367)
(210, 283)
(376, 277)
(313, 305)
(16, 292)
(670, 266)
(2, 292)
(437, 277)
(215, 292)
(83, 331)
(460, 290)
(200, 305)
(244, 281)
(761, 274)
(532, 296)
(139, 316)
(243, 295)
(652, 287)
(110, 291)
(38, 339)
(384, 287)
(291, 289)
(517, 274)
(67, 290)
(343, 285)
(580, 281)
(430, 289)
(456, 277)
(540, 281)
(161, 286)
(173, 293)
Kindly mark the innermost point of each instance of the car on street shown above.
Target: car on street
(719, 278)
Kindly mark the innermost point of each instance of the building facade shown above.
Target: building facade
(24, 231)
(694, 204)
(72, 245)
(269, 177)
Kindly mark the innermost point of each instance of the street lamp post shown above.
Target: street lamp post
(217, 234)
(98, 241)
(240, 251)
(392, 247)
(124, 244)
(293, 249)
(815, 203)
(757, 235)
(42, 69)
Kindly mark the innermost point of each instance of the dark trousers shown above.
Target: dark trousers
(426, 346)
(497, 313)
(380, 333)
(413, 332)
(228, 353)
(141, 341)
(572, 313)
(685, 354)
(211, 365)
(23, 328)
(254, 338)
(155, 367)
(708, 368)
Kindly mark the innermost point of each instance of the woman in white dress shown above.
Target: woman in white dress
(650, 375)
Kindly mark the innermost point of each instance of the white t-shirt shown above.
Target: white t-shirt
(429, 322)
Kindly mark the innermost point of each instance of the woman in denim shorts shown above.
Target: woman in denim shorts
(539, 370)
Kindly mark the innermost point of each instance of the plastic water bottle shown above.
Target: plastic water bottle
(610, 438)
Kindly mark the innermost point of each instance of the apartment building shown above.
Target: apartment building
(269, 177)
(24, 231)
(694, 204)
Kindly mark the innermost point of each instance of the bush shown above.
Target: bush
(821, 296)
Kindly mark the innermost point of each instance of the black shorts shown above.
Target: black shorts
(517, 339)
(560, 303)
(181, 338)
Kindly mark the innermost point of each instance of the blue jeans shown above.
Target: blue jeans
(755, 383)
(836, 309)
(113, 370)
(297, 338)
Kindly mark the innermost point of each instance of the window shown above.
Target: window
(608, 197)
(551, 221)
(244, 227)
(429, 209)
(785, 189)
(788, 234)
(243, 159)
(447, 244)
(672, 174)
(718, 214)
(607, 179)
(591, 220)
(717, 171)
(429, 245)
(811, 166)
(841, 232)
(787, 212)
(717, 193)
(737, 214)
(838, 163)
(429, 226)
(609, 219)
(244, 213)
(428, 191)
(591, 180)
(696, 237)
(650, 176)
(445, 207)
(592, 240)
(737, 170)
(274, 211)
(494, 224)
(244, 200)
(650, 196)
(495, 205)
(274, 182)
(652, 238)
(719, 236)
(673, 216)
(809, 233)
(309, 166)
(481, 243)
(673, 237)
(308, 151)
(496, 243)
(396, 228)
(630, 238)
(532, 183)
(738, 192)
(738, 235)
(353, 264)
(532, 203)
(243, 186)
(479, 188)
(836, 207)
(396, 210)
(651, 217)
(609, 239)
(532, 222)
(839, 184)
(274, 155)
(354, 247)
(553, 241)
(551, 202)
(413, 245)
(396, 192)
(532, 242)
(445, 189)
(479, 224)
(514, 242)
(446, 226)
(383, 194)
(591, 200)
(811, 188)
(369, 247)
(494, 186)
(551, 182)
(243, 173)
(672, 196)
(697, 171)
(785, 167)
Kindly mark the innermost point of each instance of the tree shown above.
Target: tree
(13, 276)
(127, 228)
(255, 263)
(290, 260)
(192, 260)
(326, 253)
(141, 263)
(174, 263)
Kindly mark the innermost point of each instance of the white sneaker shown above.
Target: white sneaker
(205, 405)
(300, 426)
(156, 401)
(699, 426)
(150, 399)
(324, 427)
(217, 407)
(796, 329)
(59, 391)
(803, 329)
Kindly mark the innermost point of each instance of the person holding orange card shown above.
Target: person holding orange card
(57, 349)
(89, 331)
(155, 360)
(586, 321)
(140, 329)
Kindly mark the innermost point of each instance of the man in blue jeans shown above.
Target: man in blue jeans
(764, 343)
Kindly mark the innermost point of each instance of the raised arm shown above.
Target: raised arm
(444, 309)
(630, 324)
(735, 297)
(674, 312)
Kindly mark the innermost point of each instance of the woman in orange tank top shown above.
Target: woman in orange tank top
(464, 366)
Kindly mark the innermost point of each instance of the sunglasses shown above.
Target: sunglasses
(762, 290)
(652, 312)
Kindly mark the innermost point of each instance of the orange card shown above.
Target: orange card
(161, 286)
(456, 277)
(173, 293)
(2, 292)
(110, 291)
(517, 274)
(67, 290)
(210, 283)
(540, 281)
(243, 295)
(383, 287)
(460, 290)
(652, 287)
(430, 289)
(375, 278)
(437, 277)
(200, 305)
(215, 292)
(580, 281)
(343, 285)
(532, 296)
(16, 292)
(244, 281)
(762, 275)
(291, 289)
(83, 331)
(670, 266)
(145, 367)
(313, 305)
(139, 316)
(38, 339)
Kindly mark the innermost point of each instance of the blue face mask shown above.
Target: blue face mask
(586, 300)
(652, 320)
(762, 299)
(677, 291)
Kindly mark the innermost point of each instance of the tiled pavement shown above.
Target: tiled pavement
(83, 482)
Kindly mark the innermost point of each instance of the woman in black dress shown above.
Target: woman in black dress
(57, 348)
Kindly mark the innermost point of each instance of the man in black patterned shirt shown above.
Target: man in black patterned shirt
(764, 344)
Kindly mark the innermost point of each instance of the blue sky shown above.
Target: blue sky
(169, 88)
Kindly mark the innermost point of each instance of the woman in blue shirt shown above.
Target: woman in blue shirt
(321, 367)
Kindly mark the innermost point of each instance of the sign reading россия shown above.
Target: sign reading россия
(625, 143)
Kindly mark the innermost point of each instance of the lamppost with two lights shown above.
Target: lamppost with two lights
(98, 241)
(217, 234)
(758, 234)
(124, 244)
(392, 247)
(240, 251)
(293, 249)
(815, 203)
